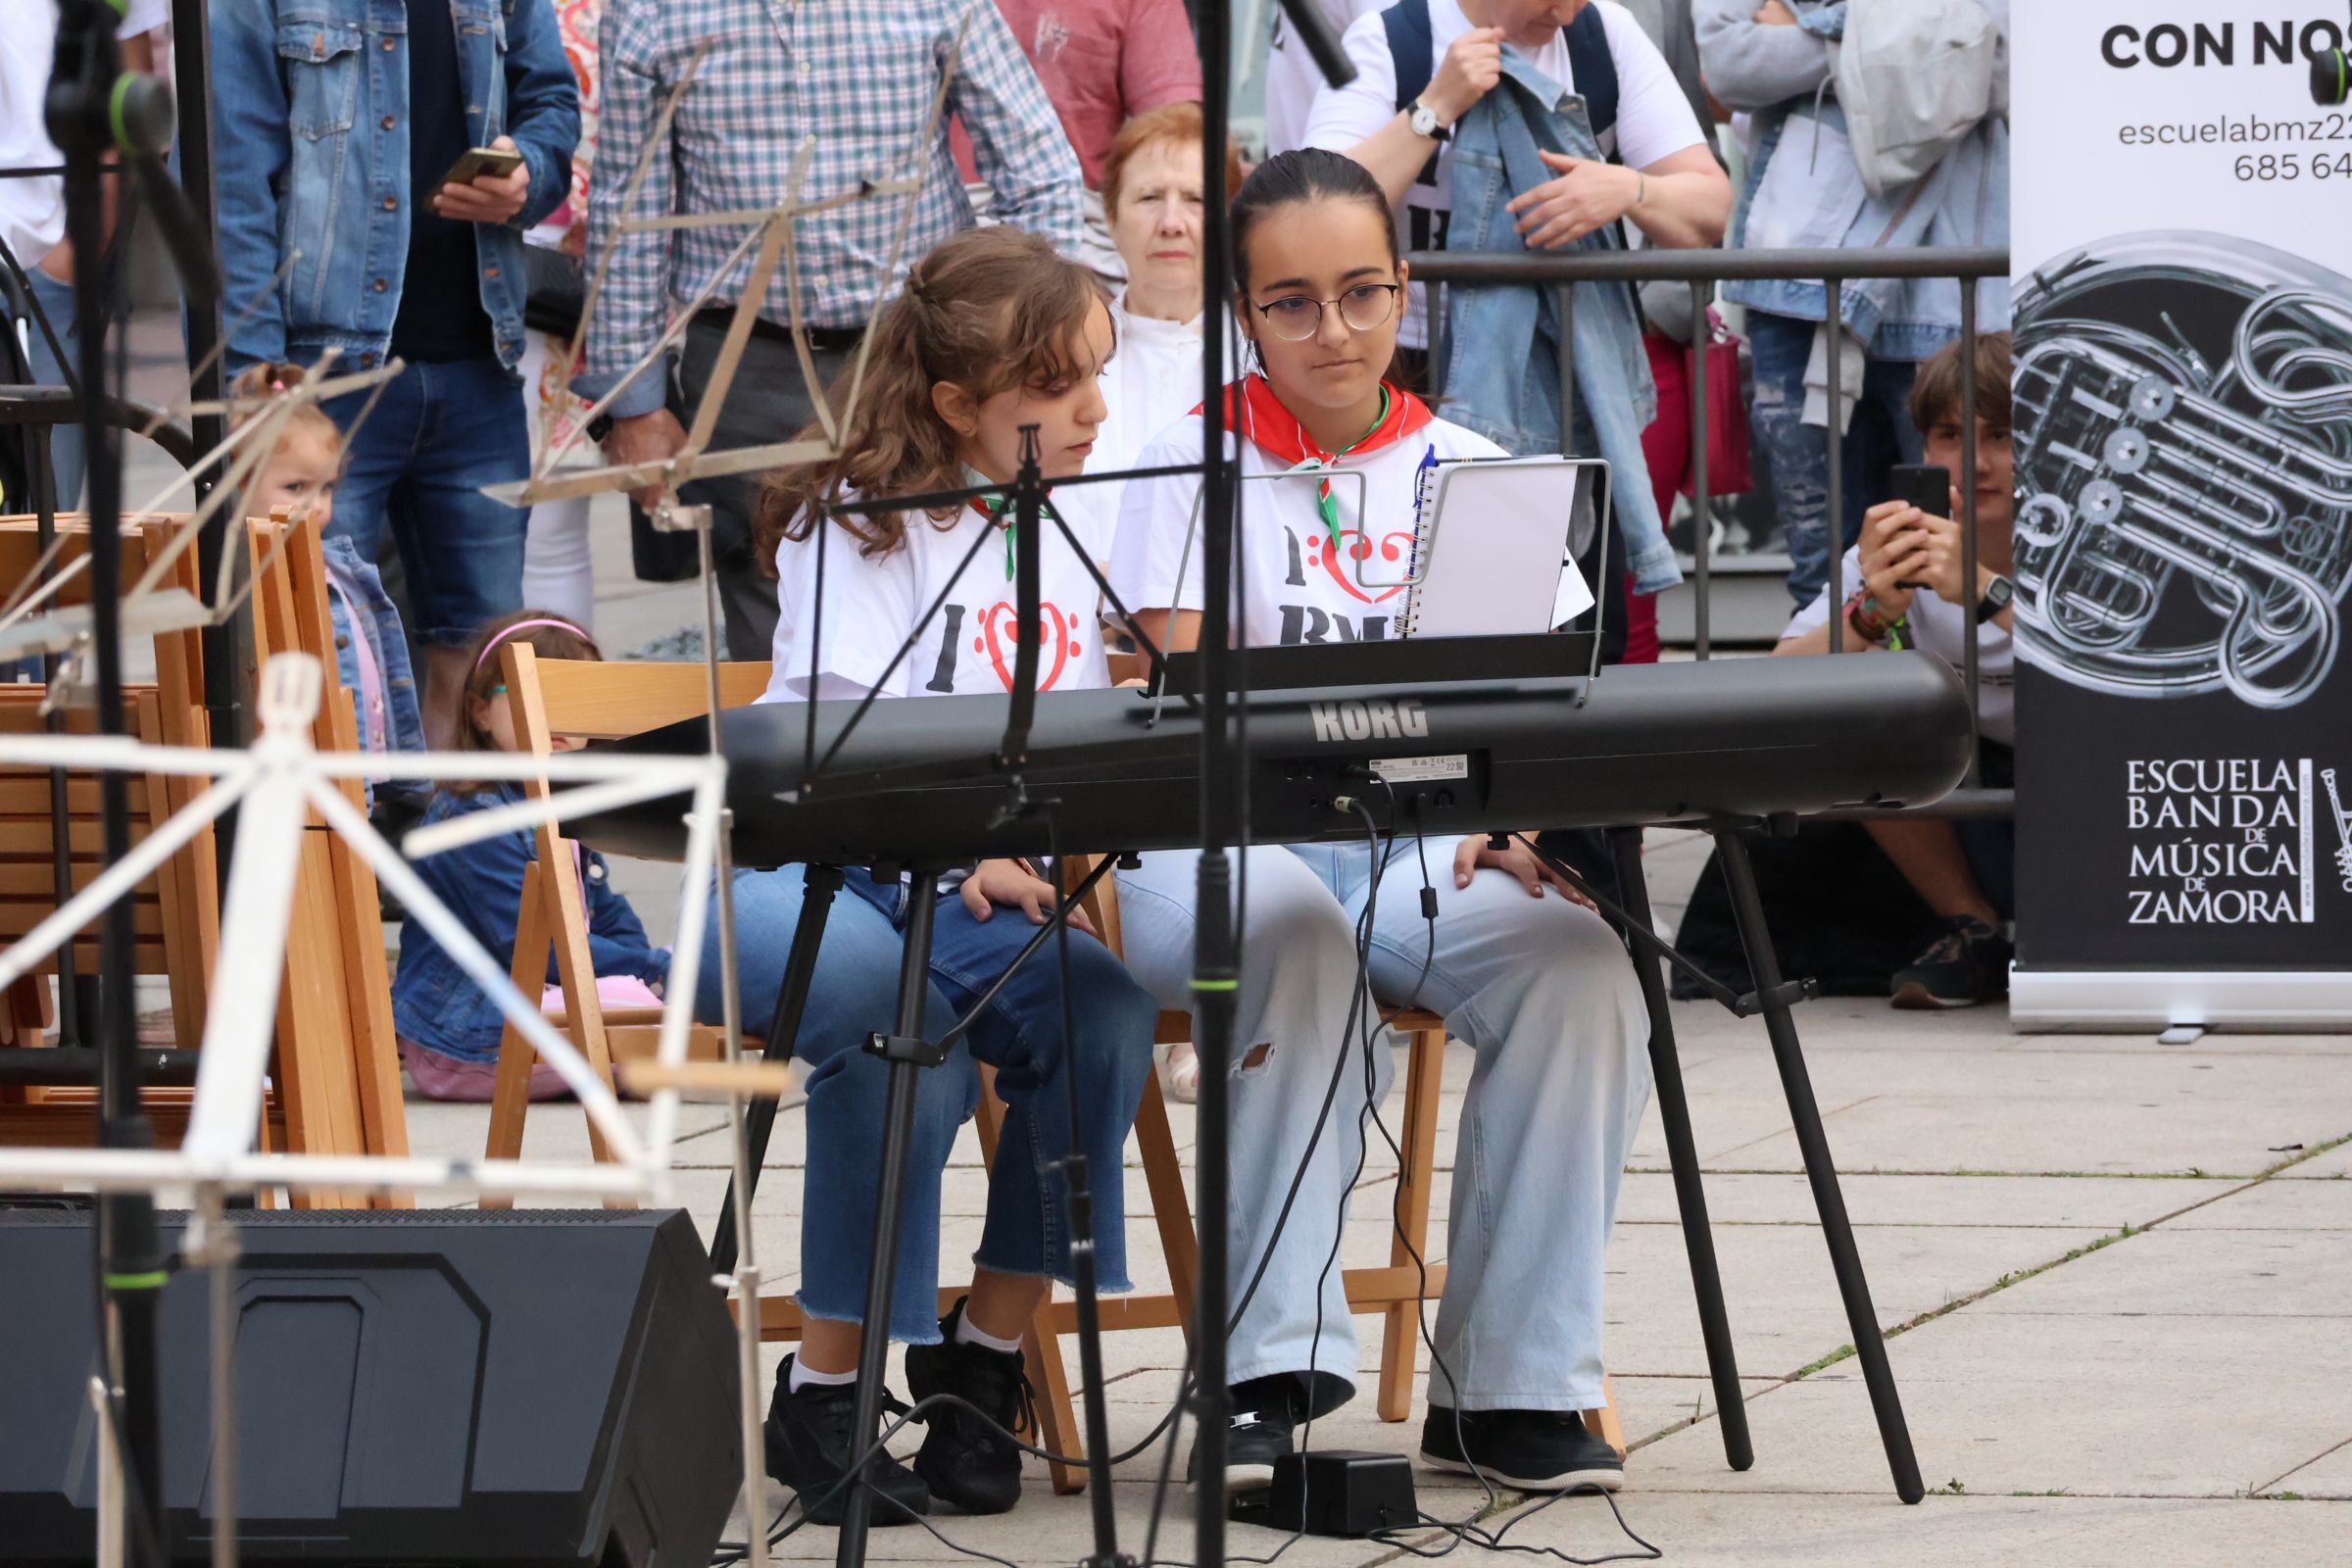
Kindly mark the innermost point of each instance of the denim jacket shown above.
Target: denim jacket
(436, 1003)
(1803, 189)
(372, 654)
(1496, 383)
(311, 116)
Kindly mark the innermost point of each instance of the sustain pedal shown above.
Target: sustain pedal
(1333, 1491)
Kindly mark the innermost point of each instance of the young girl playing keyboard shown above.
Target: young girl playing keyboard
(1532, 979)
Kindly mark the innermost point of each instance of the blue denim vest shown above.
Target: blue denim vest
(310, 110)
(1501, 376)
(434, 1003)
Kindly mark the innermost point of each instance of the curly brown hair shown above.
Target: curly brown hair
(989, 309)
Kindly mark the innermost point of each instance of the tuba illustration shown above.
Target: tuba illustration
(2183, 440)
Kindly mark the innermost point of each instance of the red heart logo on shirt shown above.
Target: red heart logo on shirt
(1001, 634)
(1355, 545)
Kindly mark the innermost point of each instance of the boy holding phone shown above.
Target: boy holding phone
(1907, 588)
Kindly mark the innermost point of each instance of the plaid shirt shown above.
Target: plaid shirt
(854, 77)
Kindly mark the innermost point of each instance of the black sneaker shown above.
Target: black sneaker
(809, 1449)
(1527, 1451)
(968, 1459)
(1265, 1412)
(1968, 963)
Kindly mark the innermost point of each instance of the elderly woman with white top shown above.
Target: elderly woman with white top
(1152, 193)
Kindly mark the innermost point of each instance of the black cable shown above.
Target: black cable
(1476, 1535)
(1429, 896)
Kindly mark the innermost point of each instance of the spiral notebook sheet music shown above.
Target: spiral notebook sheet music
(1491, 552)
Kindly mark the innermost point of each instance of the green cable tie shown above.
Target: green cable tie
(113, 109)
(1216, 985)
(151, 1280)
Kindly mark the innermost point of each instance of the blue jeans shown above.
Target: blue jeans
(853, 994)
(1881, 436)
(438, 434)
(1541, 990)
(56, 301)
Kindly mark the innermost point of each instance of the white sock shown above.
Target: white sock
(803, 1374)
(966, 1334)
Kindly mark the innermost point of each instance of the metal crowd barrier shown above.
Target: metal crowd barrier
(1702, 271)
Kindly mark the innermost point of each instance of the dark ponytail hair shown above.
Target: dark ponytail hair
(1309, 175)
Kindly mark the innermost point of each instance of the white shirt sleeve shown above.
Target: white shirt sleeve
(1156, 520)
(1343, 117)
(1816, 613)
(1653, 118)
(869, 607)
(33, 212)
(144, 16)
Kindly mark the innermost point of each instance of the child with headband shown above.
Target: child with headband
(449, 1028)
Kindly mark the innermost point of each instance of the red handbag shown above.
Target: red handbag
(1726, 414)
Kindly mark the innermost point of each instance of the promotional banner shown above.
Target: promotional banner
(2181, 223)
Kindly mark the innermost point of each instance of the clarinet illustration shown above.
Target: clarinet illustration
(2344, 828)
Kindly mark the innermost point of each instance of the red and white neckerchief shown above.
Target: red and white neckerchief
(1252, 409)
(992, 507)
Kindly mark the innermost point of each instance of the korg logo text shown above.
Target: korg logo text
(1363, 722)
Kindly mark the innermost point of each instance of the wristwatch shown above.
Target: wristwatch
(1424, 121)
(1997, 594)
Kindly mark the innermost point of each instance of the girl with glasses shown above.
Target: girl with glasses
(1532, 979)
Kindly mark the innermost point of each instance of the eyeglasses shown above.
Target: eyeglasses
(1296, 318)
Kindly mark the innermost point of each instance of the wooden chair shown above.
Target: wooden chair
(336, 1088)
(176, 915)
(338, 1056)
(594, 701)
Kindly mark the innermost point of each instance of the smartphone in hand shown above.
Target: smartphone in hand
(476, 162)
(1924, 485)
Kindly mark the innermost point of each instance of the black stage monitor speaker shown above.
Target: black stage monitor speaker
(412, 1386)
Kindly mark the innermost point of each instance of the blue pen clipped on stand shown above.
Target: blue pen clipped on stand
(1428, 466)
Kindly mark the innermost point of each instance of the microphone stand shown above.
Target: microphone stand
(93, 107)
(132, 1262)
(1216, 963)
(1029, 526)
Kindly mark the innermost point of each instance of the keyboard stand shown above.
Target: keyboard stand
(1773, 998)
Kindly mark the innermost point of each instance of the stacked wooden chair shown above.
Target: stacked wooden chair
(337, 1084)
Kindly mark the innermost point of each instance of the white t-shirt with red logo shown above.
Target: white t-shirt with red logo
(1297, 587)
(872, 602)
